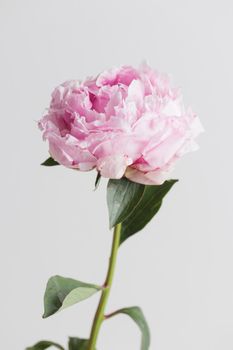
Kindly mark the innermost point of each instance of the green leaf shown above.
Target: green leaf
(44, 344)
(50, 162)
(122, 197)
(147, 207)
(137, 315)
(78, 344)
(63, 292)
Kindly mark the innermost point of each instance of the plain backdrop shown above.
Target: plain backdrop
(179, 270)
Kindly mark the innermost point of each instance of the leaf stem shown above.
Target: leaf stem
(99, 316)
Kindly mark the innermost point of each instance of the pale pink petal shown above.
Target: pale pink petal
(65, 152)
(114, 166)
(156, 177)
(165, 151)
(173, 108)
(123, 75)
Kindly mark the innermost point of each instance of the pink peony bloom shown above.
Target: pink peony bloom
(126, 122)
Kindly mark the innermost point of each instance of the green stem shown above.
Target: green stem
(99, 316)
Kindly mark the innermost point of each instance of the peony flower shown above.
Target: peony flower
(125, 122)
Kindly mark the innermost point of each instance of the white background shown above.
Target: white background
(180, 268)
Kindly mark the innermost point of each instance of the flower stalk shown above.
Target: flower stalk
(99, 316)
